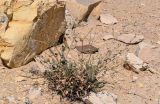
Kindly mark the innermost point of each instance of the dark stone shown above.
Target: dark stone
(87, 49)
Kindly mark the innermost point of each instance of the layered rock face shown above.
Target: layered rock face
(28, 27)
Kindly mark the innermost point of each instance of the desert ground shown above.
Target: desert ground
(140, 17)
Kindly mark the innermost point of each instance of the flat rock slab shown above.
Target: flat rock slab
(87, 49)
(108, 19)
(130, 38)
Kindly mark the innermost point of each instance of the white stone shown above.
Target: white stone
(101, 98)
(134, 63)
(108, 19)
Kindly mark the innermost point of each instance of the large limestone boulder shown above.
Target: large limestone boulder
(28, 27)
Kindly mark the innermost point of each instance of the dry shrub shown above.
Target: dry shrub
(73, 82)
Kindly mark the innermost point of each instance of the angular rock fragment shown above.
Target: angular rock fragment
(81, 9)
(134, 63)
(96, 12)
(35, 26)
(108, 19)
(130, 38)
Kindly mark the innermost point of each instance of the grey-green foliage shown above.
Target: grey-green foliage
(71, 81)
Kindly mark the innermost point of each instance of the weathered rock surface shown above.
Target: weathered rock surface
(134, 63)
(130, 38)
(101, 98)
(35, 26)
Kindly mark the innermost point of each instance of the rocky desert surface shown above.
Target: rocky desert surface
(124, 35)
